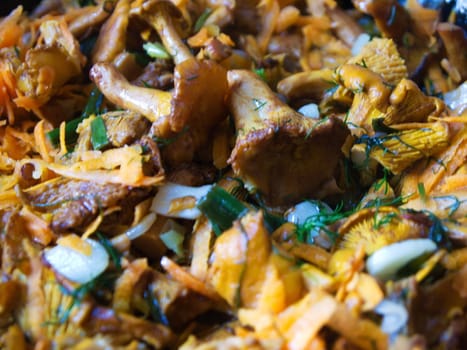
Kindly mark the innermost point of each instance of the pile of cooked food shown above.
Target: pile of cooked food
(249, 174)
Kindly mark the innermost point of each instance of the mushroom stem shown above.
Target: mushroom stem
(160, 15)
(151, 103)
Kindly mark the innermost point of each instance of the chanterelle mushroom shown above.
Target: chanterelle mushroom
(197, 103)
(285, 155)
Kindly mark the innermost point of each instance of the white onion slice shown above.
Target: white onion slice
(171, 191)
(385, 262)
(394, 314)
(142, 227)
(310, 110)
(359, 43)
(456, 98)
(76, 266)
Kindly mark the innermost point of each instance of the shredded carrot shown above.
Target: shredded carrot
(62, 137)
(41, 142)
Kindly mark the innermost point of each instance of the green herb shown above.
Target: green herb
(92, 107)
(156, 50)
(114, 254)
(421, 191)
(437, 232)
(318, 123)
(320, 221)
(201, 20)
(105, 280)
(454, 206)
(261, 73)
(384, 202)
(258, 104)
(99, 137)
(155, 308)
(221, 208)
(162, 142)
(382, 182)
(362, 63)
(386, 219)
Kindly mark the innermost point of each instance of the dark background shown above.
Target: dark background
(7, 5)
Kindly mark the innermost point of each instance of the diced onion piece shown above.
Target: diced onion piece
(300, 212)
(171, 191)
(310, 110)
(76, 266)
(142, 227)
(361, 41)
(303, 210)
(173, 236)
(456, 98)
(394, 314)
(385, 262)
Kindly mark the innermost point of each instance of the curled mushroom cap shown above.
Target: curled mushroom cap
(285, 155)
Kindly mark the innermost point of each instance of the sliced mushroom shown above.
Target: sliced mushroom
(285, 155)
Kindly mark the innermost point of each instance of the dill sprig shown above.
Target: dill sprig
(321, 221)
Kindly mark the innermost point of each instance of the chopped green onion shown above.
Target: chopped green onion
(99, 137)
(421, 190)
(92, 107)
(221, 208)
(201, 20)
(156, 50)
(174, 241)
(261, 73)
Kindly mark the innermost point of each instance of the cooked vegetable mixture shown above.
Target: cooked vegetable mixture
(249, 174)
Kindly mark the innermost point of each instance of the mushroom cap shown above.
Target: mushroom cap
(283, 154)
(199, 96)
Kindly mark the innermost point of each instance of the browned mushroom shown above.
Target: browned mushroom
(285, 155)
(111, 40)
